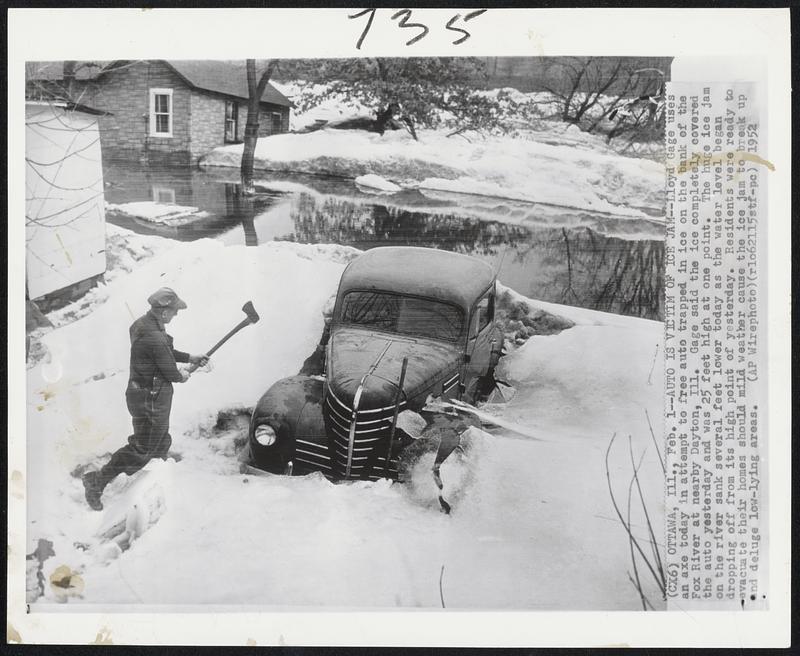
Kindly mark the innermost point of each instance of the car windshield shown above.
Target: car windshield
(403, 314)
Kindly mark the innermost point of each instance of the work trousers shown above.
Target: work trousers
(149, 410)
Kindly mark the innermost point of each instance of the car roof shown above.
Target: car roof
(442, 275)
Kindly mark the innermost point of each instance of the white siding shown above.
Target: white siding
(65, 215)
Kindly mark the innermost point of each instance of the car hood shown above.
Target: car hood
(354, 353)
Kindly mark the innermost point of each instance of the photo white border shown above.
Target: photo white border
(752, 34)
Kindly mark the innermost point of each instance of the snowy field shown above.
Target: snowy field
(533, 526)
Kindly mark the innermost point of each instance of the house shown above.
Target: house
(176, 110)
(65, 231)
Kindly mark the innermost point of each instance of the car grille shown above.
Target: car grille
(369, 444)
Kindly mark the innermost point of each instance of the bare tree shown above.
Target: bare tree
(58, 82)
(590, 90)
(68, 72)
(641, 119)
(403, 92)
(255, 88)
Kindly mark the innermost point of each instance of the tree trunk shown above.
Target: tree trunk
(249, 151)
(255, 91)
(69, 79)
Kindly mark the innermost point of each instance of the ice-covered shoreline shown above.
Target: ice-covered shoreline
(556, 167)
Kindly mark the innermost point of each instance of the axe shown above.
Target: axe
(251, 317)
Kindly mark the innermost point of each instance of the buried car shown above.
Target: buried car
(408, 325)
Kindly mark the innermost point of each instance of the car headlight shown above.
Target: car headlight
(265, 435)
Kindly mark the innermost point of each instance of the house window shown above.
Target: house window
(231, 121)
(163, 195)
(275, 123)
(160, 112)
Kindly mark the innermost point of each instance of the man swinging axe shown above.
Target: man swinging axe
(153, 369)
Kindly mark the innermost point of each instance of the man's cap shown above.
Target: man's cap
(166, 298)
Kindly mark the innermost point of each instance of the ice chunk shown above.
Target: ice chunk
(411, 423)
(373, 181)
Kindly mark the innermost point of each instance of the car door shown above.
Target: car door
(482, 341)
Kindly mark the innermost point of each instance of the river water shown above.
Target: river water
(575, 257)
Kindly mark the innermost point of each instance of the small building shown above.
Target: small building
(173, 110)
(65, 230)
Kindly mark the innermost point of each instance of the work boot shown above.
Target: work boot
(174, 455)
(93, 486)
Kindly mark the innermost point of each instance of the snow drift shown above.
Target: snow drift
(533, 525)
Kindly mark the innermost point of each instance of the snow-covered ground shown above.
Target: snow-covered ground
(532, 527)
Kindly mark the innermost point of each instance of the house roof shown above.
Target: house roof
(428, 272)
(224, 77)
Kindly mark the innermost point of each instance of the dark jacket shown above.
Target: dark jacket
(153, 357)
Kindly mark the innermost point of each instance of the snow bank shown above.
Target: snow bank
(532, 528)
(566, 197)
(583, 316)
(564, 172)
(526, 213)
(76, 396)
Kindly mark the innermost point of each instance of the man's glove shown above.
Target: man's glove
(199, 360)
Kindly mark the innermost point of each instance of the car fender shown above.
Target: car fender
(293, 408)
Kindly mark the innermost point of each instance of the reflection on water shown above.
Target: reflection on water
(562, 260)
(575, 266)
(221, 199)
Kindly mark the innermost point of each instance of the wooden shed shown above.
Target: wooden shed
(65, 232)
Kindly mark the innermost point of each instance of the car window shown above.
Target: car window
(402, 314)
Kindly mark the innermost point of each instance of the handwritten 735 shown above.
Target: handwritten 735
(404, 21)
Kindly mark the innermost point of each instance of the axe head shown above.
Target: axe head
(250, 311)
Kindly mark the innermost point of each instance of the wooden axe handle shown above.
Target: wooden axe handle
(210, 352)
(239, 326)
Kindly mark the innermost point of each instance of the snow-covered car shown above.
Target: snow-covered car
(408, 325)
